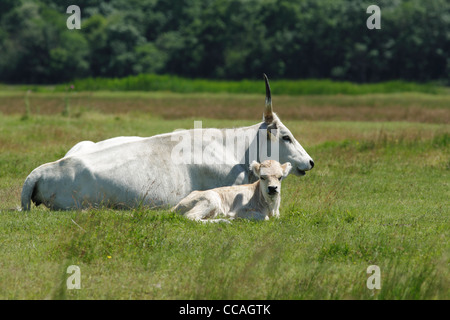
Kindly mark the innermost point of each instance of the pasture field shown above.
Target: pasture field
(378, 195)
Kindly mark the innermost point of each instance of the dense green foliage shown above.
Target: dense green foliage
(224, 39)
(149, 82)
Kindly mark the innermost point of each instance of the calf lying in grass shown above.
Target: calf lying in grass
(259, 201)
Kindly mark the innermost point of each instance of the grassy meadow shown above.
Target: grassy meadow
(378, 195)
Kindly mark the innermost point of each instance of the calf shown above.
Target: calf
(259, 201)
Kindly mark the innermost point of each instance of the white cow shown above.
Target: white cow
(127, 172)
(258, 201)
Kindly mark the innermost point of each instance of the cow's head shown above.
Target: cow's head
(290, 149)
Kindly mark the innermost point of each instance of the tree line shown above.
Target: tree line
(225, 39)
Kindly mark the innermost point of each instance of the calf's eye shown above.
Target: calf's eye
(287, 138)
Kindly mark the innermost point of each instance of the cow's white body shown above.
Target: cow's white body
(127, 172)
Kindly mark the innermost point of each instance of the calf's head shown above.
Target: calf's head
(270, 174)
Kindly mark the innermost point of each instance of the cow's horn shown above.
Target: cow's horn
(268, 117)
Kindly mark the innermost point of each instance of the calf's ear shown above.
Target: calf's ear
(286, 168)
(255, 166)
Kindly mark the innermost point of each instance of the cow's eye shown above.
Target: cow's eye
(279, 178)
(262, 178)
(287, 138)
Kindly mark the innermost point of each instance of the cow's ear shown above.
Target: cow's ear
(286, 167)
(255, 166)
(268, 113)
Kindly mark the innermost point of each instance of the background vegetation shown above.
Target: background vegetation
(225, 39)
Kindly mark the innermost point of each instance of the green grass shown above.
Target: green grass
(151, 82)
(378, 195)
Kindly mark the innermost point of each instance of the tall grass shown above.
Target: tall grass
(151, 82)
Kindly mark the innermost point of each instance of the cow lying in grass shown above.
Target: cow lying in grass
(258, 201)
(159, 171)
